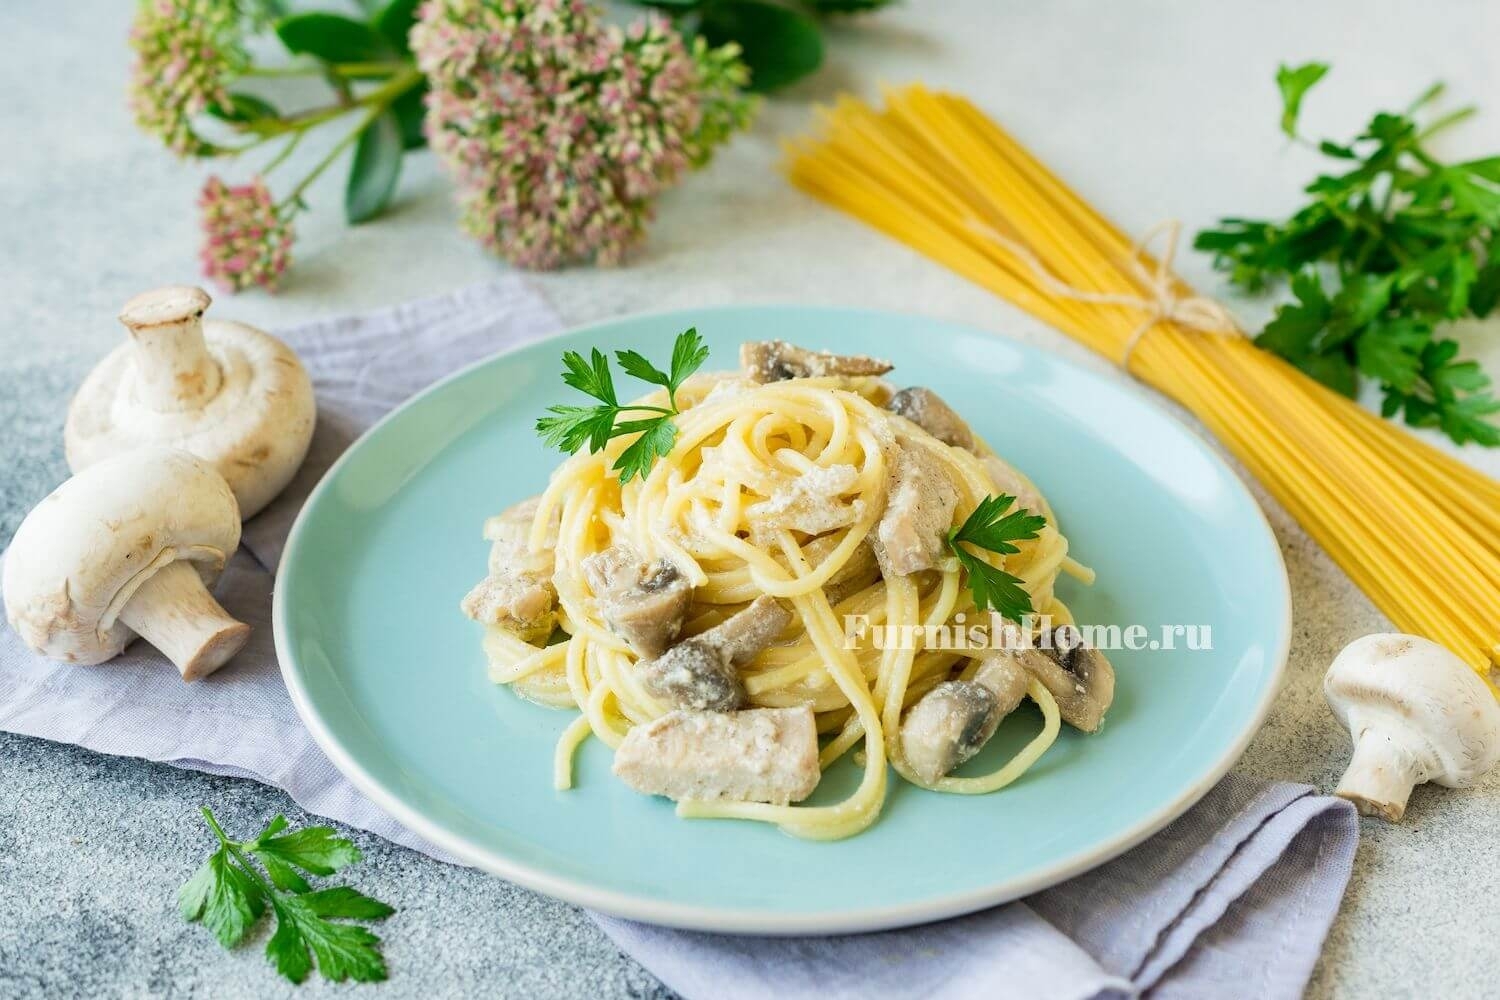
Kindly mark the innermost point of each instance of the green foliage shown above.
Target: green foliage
(1388, 249)
(990, 527)
(569, 428)
(332, 38)
(375, 170)
(228, 895)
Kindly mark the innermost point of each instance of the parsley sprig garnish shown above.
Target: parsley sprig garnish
(229, 894)
(1383, 254)
(991, 528)
(571, 427)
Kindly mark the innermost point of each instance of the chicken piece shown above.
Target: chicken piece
(759, 755)
(953, 721)
(517, 594)
(1079, 677)
(927, 410)
(643, 602)
(918, 513)
(1009, 481)
(777, 361)
(699, 673)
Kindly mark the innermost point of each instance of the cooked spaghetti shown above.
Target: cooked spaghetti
(1416, 529)
(782, 499)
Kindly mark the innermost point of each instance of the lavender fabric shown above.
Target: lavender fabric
(1233, 899)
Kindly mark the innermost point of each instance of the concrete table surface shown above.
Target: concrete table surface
(1153, 109)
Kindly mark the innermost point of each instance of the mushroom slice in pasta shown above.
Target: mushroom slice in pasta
(1080, 677)
(952, 722)
(777, 361)
(927, 410)
(699, 672)
(517, 593)
(643, 602)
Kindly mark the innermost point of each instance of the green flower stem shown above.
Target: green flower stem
(376, 102)
(351, 69)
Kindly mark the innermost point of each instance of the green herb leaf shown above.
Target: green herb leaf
(569, 428)
(394, 22)
(318, 850)
(1391, 245)
(845, 6)
(375, 169)
(332, 38)
(411, 113)
(243, 109)
(1294, 83)
(228, 895)
(780, 45)
(991, 527)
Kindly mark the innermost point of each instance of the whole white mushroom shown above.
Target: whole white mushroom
(128, 547)
(1416, 713)
(233, 395)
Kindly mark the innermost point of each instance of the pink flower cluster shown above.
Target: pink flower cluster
(185, 51)
(559, 129)
(246, 239)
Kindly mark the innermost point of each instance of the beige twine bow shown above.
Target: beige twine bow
(1162, 305)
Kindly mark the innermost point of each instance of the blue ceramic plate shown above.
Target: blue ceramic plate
(390, 678)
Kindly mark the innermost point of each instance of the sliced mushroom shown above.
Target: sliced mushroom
(927, 410)
(859, 572)
(1078, 676)
(777, 361)
(918, 512)
(759, 755)
(517, 594)
(952, 722)
(644, 602)
(699, 673)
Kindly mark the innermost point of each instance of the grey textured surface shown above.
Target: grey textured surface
(1144, 107)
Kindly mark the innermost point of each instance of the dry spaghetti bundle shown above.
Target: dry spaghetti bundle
(1417, 530)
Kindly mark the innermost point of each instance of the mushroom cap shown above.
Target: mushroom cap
(255, 430)
(82, 552)
(1417, 692)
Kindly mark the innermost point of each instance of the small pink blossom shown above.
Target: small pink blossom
(559, 129)
(247, 240)
(186, 51)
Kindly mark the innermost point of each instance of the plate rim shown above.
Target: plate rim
(751, 921)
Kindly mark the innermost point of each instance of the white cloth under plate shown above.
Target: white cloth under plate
(1232, 900)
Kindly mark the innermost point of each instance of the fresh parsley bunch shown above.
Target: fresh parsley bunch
(229, 894)
(569, 428)
(1384, 254)
(991, 528)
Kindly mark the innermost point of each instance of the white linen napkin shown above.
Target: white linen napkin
(1233, 899)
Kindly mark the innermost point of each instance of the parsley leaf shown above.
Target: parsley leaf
(990, 527)
(228, 894)
(569, 428)
(1294, 83)
(1391, 245)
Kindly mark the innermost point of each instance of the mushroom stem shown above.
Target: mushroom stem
(1380, 776)
(174, 612)
(173, 369)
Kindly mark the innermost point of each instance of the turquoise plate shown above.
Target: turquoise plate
(390, 678)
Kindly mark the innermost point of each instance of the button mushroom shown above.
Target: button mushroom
(236, 397)
(1079, 677)
(644, 602)
(777, 361)
(1416, 713)
(918, 513)
(517, 594)
(759, 755)
(128, 547)
(952, 722)
(699, 673)
(927, 410)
